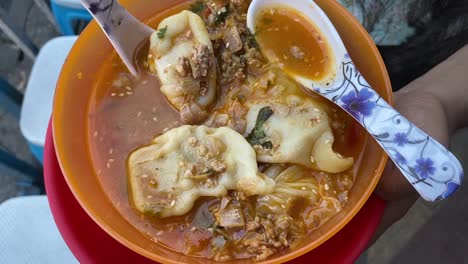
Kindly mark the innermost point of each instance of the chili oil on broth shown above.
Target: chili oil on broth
(293, 40)
(126, 113)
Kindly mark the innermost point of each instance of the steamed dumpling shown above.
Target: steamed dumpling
(182, 55)
(296, 131)
(188, 162)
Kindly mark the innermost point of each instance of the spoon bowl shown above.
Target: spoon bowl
(431, 169)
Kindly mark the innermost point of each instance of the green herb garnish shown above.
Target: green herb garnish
(162, 32)
(221, 16)
(257, 135)
(208, 171)
(197, 7)
(252, 40)
(267, 145)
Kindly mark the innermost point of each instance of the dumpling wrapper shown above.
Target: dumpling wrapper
(300, 133)
(184, 61)
(188, 162)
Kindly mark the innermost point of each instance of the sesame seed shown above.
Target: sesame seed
(113, 94)
(312, 159)
(144, 176)
(139, 114)
(111, 150)
(193, 228)
(303, 188)
(326, 187)
(128, 88)
(159, 233)
(129, 93)
(155, 119)
(149, 196)
(314, 191)
(108, 165)
(172, 203)
(121, 94)
(95, 134)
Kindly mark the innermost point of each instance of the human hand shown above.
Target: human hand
(427, 112)
(436, 103)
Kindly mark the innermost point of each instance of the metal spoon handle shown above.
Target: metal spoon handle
(124, 31)
(432, 169)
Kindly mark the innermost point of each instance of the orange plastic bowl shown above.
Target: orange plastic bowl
(74, 90)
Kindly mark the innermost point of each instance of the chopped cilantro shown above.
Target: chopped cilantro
(257, 135)
(221, 15)
(162, 32)
(197, 7)
(252, 41)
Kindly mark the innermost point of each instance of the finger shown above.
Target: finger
(393, 185)
(425, 111)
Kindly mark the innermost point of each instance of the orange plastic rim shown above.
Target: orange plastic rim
(73, 93)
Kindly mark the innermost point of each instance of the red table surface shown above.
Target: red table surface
(90, 244)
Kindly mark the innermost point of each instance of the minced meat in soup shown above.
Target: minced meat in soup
(213, 151)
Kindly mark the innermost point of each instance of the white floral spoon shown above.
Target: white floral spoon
(124, 31)
(432, 170)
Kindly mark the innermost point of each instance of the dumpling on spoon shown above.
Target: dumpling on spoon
(167, 176)
(295, 130)
(182, 55)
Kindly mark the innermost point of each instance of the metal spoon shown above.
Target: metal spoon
(124, 31)
(432, 170)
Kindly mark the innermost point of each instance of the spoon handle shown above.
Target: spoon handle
(124, 31)
(432, 169)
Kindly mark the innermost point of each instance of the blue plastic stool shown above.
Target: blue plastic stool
(38, 97)
(67, 11)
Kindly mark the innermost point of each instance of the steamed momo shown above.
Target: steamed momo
(188, 162)
(182, 55)
(296, 131)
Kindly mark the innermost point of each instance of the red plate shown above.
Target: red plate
(90, 244)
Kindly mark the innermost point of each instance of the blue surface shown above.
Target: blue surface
(66, 15)
(37, 151)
